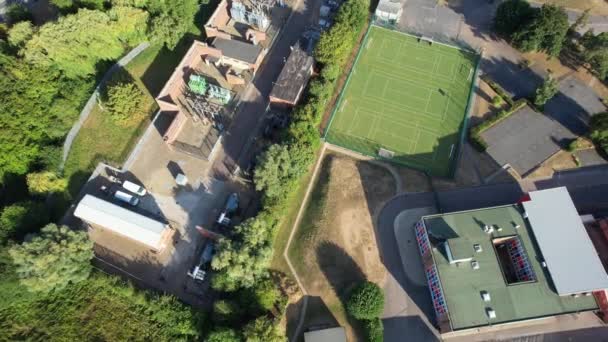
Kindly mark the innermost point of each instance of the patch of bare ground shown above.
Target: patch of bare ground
(562, 160)
(335, 247)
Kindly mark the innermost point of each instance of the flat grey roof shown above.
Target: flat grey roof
(238, 50)
(564, 243)
(525, 139)
(389, 6)
(120, 220)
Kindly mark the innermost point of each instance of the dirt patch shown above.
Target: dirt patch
(335, 245)
(562, 160)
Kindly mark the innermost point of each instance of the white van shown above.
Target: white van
(134, 188)
(125, 197)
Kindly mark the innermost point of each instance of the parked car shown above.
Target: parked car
(125, 197)
(199, 272)
(134, 188)
(232, 205)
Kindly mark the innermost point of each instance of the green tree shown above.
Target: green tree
(22, 218)
(76, 43)
(58, 256)
(599, 131)
(20, 33)
(123, 100)
(374, 330)
(223, 334)
(263, 329)
(545, 32)
(46, 182)
(278, 168)
(171, 20)
(366, 301)
(131, 24)
(595, 51)
(266, 294)
(546, 91)
(511, 15)
(242, 261)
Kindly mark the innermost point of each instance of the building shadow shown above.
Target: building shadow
(413, 326)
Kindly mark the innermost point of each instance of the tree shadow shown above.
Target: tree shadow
(341, 271)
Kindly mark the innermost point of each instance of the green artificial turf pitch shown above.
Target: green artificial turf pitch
(406, 96)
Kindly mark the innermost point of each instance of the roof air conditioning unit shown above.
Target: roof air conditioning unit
(477, 248)
(475, 265)
(485, 296)
(491, 313)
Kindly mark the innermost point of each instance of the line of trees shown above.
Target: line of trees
(532, 29)
(242, 261)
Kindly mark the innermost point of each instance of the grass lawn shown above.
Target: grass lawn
(407, 97)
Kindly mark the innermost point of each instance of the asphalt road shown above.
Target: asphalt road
(246, 122)
(408, 305)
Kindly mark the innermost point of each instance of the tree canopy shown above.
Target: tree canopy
(532, 29)
(53, 259)
(599, 131)
(22, 218)
(366, 301)
(262, 329)
(546, 91)
(223, 334)
(546, 31)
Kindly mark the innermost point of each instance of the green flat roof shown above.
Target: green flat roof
(462, 285)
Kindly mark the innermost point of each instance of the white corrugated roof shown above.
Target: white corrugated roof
(564, 243)
(120, 220)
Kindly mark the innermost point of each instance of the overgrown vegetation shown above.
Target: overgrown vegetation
(46, 74)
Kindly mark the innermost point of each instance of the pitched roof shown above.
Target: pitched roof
(120, 220)
(294, 76)
(238, 50)
(565, 245)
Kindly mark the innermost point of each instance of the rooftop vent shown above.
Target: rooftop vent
(485, 296)
(475, 265)
(491, 313)
(477, 248)
(488, 229)
(498, 229)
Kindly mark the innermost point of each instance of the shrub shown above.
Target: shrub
(366, 301)
(374, 330)
(497, 101)
(123, 100)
